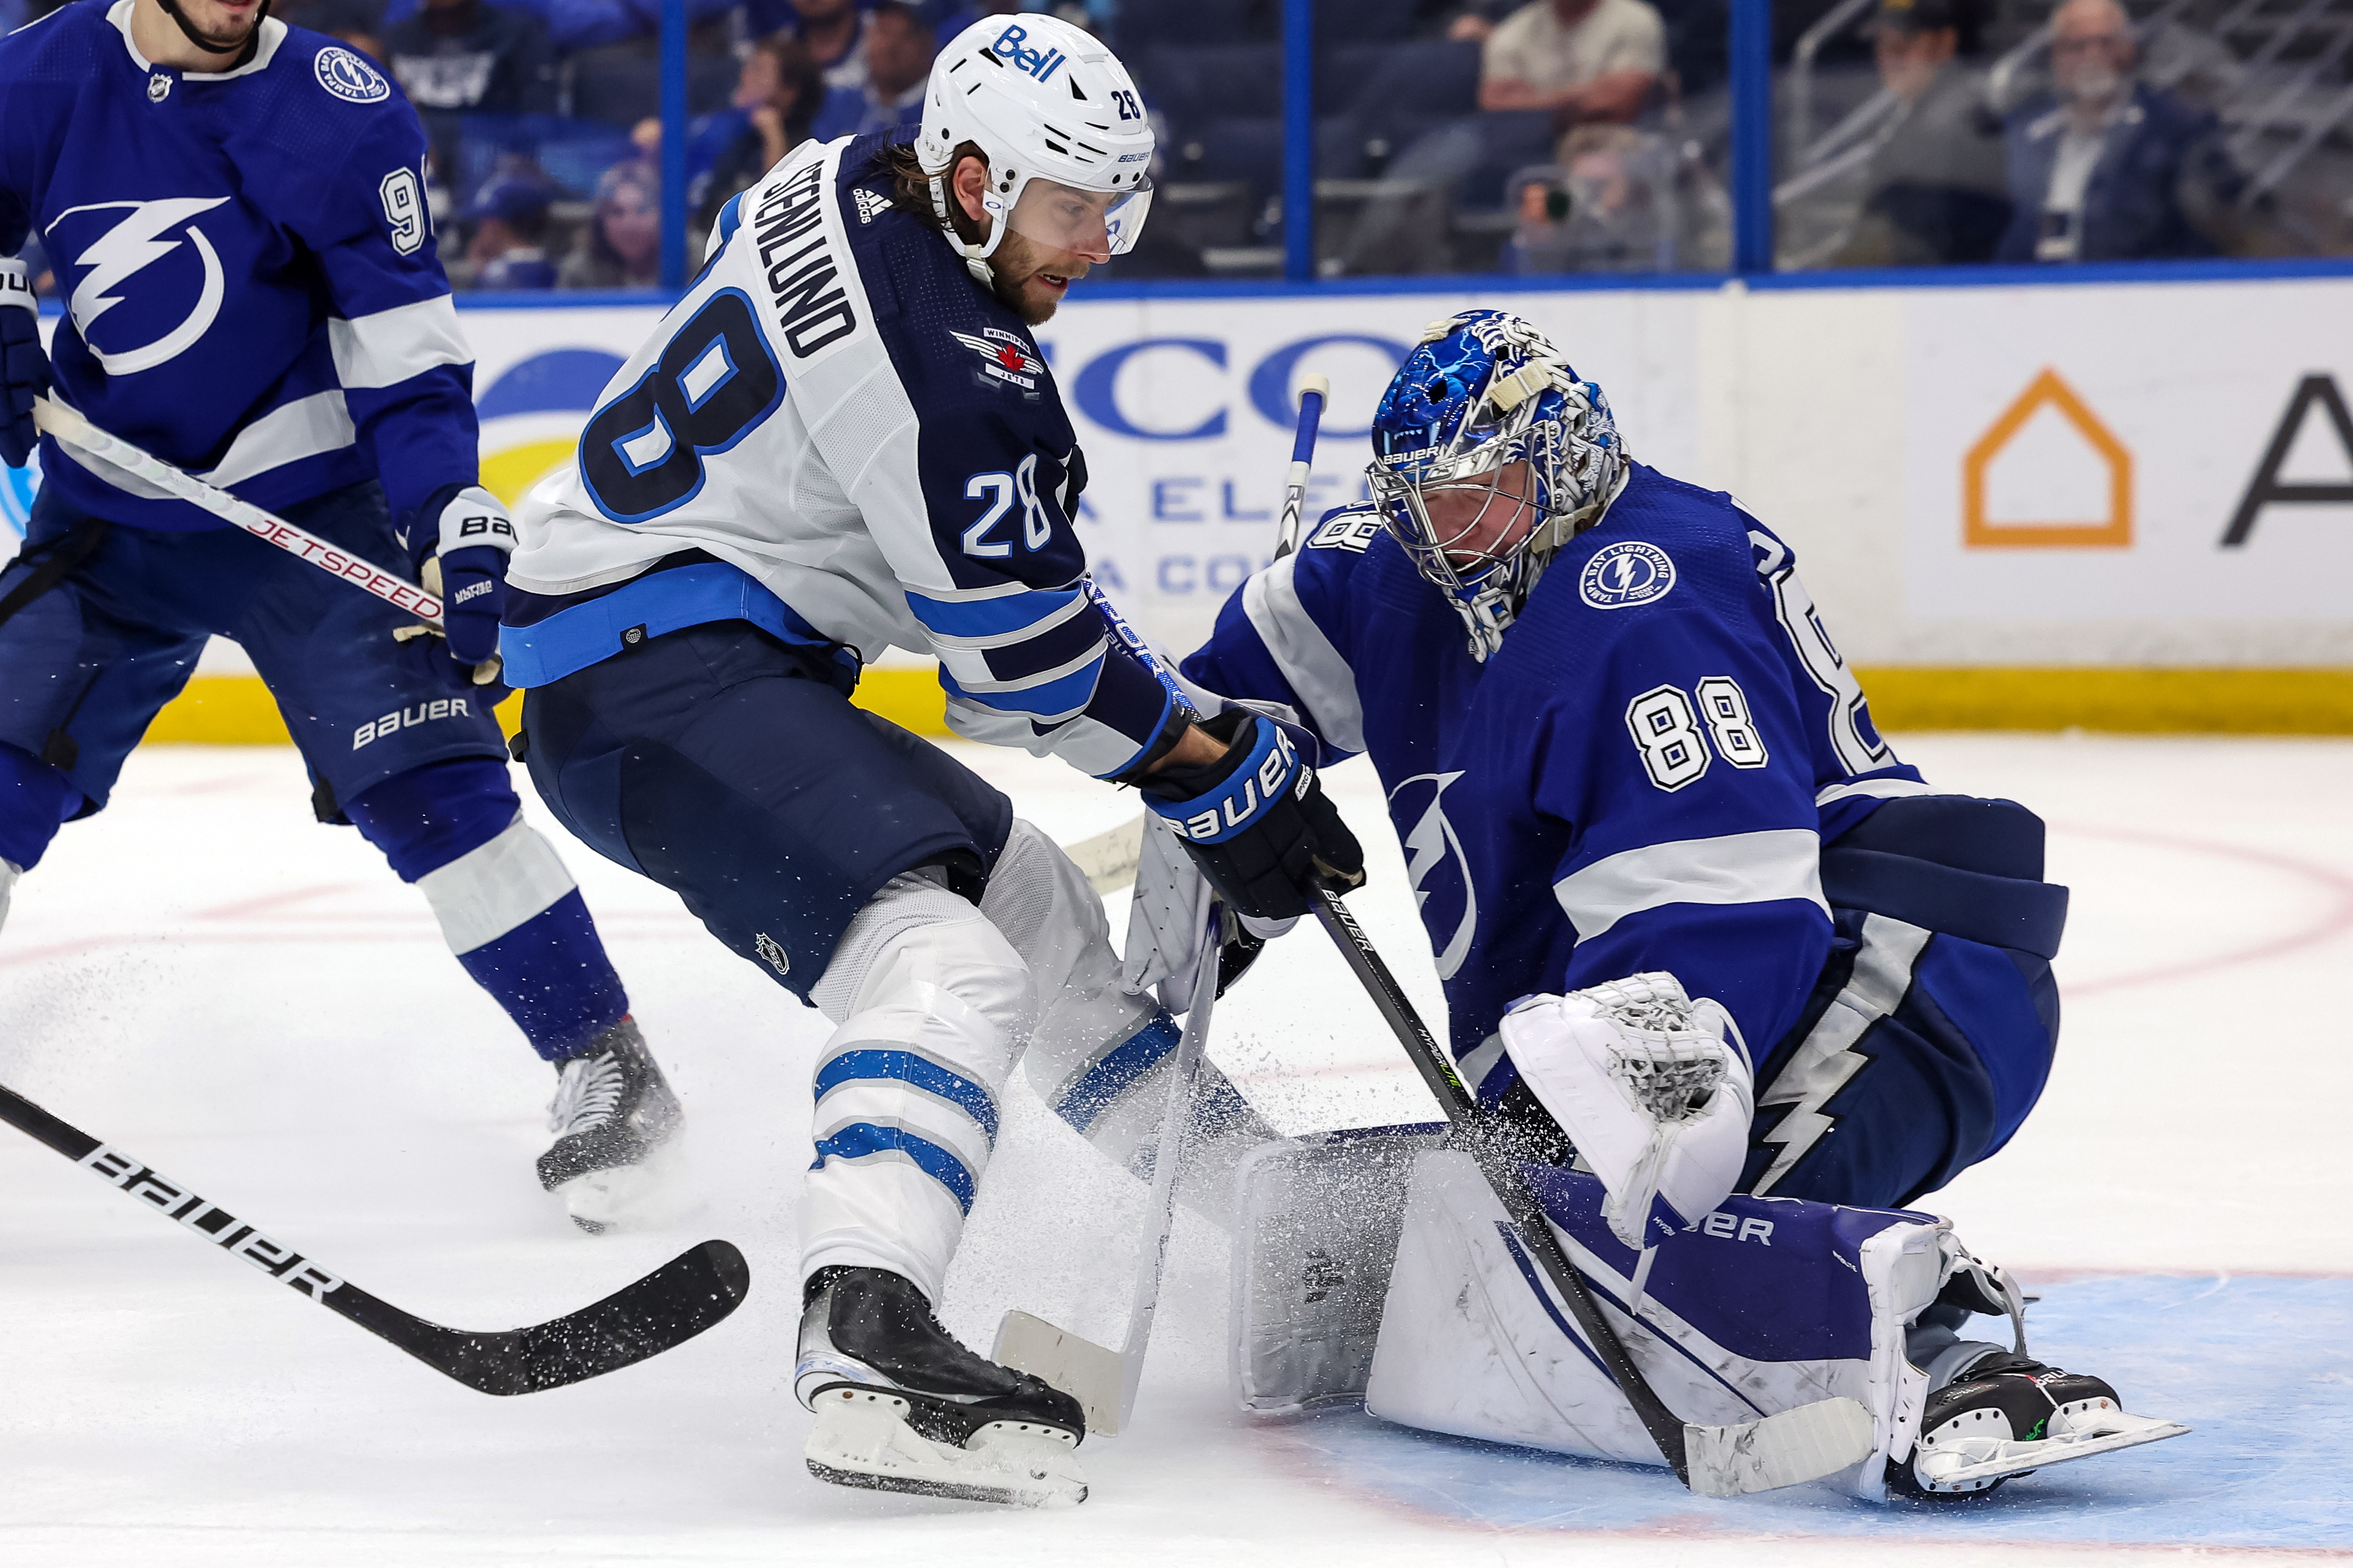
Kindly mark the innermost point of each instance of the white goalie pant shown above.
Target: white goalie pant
(1768, 1304)
(934, 1000)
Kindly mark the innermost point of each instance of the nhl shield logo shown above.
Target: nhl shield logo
(772, 953)
(159, 87)
(1624, 575)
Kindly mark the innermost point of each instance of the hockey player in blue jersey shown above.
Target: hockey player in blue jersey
(1699, 928)
(845, 439)
(235, 214)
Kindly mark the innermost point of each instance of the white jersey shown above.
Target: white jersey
(837, 409)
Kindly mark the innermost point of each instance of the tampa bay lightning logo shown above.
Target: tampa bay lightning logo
(1435, 868)
(1626, 573)
(350, 78)
(179, 281)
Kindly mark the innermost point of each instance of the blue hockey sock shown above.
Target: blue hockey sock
(34, 799)
(552, 976)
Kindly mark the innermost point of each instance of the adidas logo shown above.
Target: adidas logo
(871, 204)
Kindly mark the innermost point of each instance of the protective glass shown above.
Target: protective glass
(1094, 226)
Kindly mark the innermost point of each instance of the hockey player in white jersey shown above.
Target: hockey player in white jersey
(844, 439)
(235, 214)
(1701, 933)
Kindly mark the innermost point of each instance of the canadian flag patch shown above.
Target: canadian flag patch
(1003, 356)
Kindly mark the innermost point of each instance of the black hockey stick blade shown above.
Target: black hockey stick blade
(677, 1302)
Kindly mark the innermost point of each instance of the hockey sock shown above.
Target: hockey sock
(506, 904)
(34, 799)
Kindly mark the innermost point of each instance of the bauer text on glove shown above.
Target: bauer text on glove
(1257, 819)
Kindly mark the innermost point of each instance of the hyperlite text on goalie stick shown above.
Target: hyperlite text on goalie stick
(55, 419)
(1781, 1450)
(667, 1308)
(1103, 1380)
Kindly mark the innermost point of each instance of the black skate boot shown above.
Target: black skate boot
(2010, 1415)
(612, 1109)
(902, 1406)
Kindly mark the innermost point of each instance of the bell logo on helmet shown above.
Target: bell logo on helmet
(1040, 63)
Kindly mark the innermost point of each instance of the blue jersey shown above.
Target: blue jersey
(1641, 779)
(250, 283)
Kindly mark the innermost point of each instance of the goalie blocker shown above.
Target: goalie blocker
(1379, 1266)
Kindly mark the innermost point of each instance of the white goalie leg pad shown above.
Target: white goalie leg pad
(1767, 1305)
(9, 872)
(862, 1438)
(932, 1004)
(490, 890)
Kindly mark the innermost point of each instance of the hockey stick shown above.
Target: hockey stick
(1313, 392)
(1103, 1381)
(667, 1308)
(1779, 1450)
(55, 419)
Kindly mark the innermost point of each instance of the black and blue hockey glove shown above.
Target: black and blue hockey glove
(468, 574)
(23, 365)
(1257, 820)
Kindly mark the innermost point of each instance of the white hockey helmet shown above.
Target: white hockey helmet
(1045, 102)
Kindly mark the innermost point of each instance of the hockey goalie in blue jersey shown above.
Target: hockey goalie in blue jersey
(1702, 934)
(235, 213)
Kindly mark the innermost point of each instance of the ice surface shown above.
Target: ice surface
(253, 1004)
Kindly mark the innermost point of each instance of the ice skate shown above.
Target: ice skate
(902, 1406)
(612, 1110)
(2012, 1414)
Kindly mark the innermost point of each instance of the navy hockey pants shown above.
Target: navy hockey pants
(1929, 1033)
(733, 770)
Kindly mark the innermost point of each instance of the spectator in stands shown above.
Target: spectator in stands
(509, 247)
(621, 246)
(1621, 201)
(467, 56)
(2109, 168)
(835, 31)
(1935, 190)
(899, 49)
(1586, 61)
(359, 23)
(777, 98)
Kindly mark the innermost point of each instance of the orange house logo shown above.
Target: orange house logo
(1980, 531)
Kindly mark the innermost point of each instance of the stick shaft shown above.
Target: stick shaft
(70, 428)
(1303, 462)
(1498, 1164)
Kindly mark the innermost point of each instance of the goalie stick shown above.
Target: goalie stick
(1103, 1380)
(670, 1306)
(1794, 1445)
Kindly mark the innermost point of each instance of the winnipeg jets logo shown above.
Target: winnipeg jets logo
(1003, 356)
(131, 247)
(1437, 867)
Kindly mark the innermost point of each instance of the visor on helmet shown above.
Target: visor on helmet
(1094, 226)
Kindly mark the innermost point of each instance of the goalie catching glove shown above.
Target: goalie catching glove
(1655, 1090)
(1257, 820)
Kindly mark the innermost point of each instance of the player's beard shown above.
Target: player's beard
(1019, 262)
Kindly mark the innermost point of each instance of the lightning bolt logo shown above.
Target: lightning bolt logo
(1827, 1060)
(130, 248)
(1429, 843)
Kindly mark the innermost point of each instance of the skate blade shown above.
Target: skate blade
(1785, 1449)
(621, 1197)
(1970, 1459)
(861, 1439)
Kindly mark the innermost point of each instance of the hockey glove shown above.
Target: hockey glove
(23, 365)
(1655, 1092)
(468, 574)
(1257, 820)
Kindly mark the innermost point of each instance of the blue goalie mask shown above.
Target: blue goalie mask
(1489, 452)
